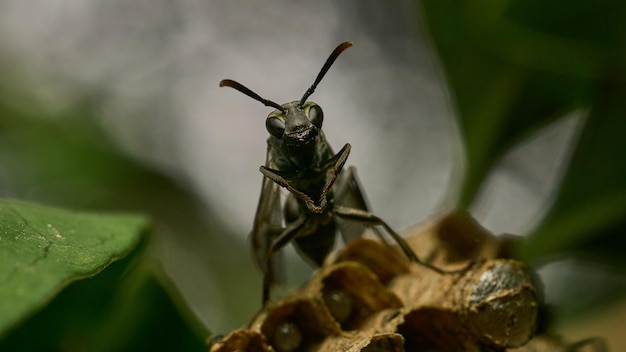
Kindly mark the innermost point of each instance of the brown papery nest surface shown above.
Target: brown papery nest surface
(368, 297)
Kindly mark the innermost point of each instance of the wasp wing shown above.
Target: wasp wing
(349, 193)
(268, 225)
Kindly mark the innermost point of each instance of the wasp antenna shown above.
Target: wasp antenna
(245, 90)
(329, 62)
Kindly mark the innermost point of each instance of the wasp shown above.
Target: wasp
(323, 199)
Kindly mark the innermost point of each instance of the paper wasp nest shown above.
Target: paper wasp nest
(368, 298)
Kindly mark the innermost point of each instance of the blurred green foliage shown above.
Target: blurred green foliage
(514, 67)
(64, 159)
(125, 308)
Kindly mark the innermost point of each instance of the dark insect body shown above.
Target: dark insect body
(324, 198)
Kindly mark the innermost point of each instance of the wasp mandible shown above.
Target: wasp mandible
(324, 198)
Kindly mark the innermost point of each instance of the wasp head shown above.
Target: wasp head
(295, 125)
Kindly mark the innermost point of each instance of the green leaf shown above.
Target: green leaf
(515, 66)
(148, 313)
(589, 214)
(43, 249)
(124, 308)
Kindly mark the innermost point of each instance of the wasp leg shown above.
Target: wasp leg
(369, 218)
(349, 194)
(292, 231)
(279, 178)
(332, 167)
(289, 233)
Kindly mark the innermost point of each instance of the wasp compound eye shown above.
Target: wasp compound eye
(315, 114)
(275, 126)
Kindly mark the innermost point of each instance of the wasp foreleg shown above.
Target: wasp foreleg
(373, 220)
